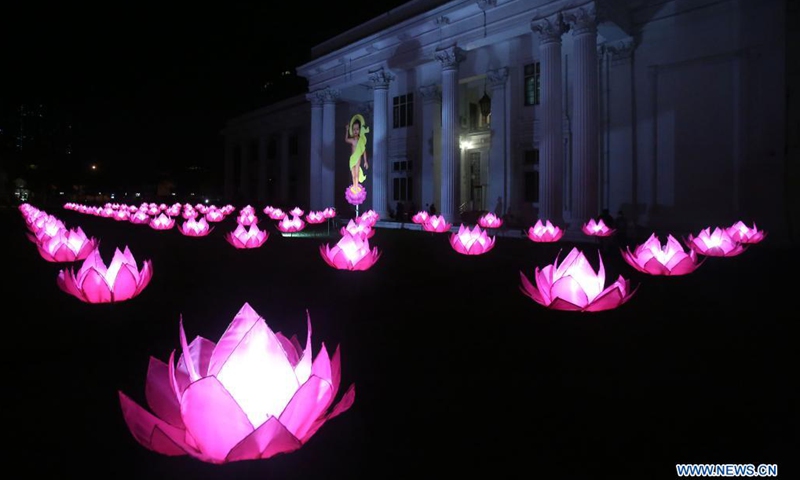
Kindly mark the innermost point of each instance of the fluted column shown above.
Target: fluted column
(498, 153)
(315, 144)
(585, 116)
(551, 151)
(230, 171)
(431, 124)
(284, 179)
(330, 97)
(450, 58)
(380, 141)
(262, 169)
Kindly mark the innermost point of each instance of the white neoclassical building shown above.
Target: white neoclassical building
(672, 111)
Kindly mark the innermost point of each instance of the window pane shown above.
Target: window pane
(396, 185)
(410, 121)
(403, 115)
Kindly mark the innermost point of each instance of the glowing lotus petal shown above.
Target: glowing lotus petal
(268, 209)
(46, 226)
(436, 223)
(329, 213)
(277, 214)
(315, 217)
(291, 225)
(420, 217)
(67, 246)
(122, 215)
(253, 395)
(354, 228)
(140, 217)
(546, 232)
(352, 252)
(574, 285)
(715, 244)
(162, 222)
(247, 238)
(471, 242)
(739, 232)
(297, 212)
(670, 259)
(597, 228)
(246, 218)
(355, 195)
(490, 220)
(195, 228)
(214, 216)
(94, 283)
(369, 218)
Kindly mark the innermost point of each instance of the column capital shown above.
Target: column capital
(430, 93)
(497, 77)
(380, 78)
(549, 28)
(621, 50)
(450, 57)
(316, 98)
(330, 95)
(582, 20)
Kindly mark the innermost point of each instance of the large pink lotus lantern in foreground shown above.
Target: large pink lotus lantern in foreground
(250, 237)
(654, 259)
(355, 195)
(94, 283)
(574, 285)
(739, 232)
(437, 224)
(597, 228)
(490, 220)
(714, 244)
(545, 232)
(195, 228)
(352, 252)
(66, 246)
(471, 242)
(252, 395)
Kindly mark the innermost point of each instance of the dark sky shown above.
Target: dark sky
(152, 83)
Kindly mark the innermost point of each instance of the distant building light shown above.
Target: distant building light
(206, 200)
(94, 167)
(112, 196)
(191, 194)
(137, 194)
(173, 194)
(61, 193)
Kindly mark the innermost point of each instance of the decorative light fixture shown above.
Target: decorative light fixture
(485, 103)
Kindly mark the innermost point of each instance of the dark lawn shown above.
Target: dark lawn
(457, 373)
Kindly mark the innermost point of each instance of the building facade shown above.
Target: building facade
(670, 111)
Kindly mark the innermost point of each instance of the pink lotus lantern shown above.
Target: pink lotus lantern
(47, 229)
(490, 220)
(291, 225)
(195, 228)
(315, 218)
(107, 212)
(66, 246)
(354, 228)
(574, 285)
(247, 238)
(352, 252)
(329, 213)
(715, 244)
(252, 395)
(214, 216)
(277, 214)
(187, 213)
(153, 211)
(355, 195)
(94, 283)
(544, 233)
(162, 222)
(369, 218)
(268, 209)
(122, 215)
(654, 259)
(597, 228)
(246, 218)
(140, 217)
(297, 212)
(471, 242)
(228, 209)
(739, 232)
(437, 224)
(420, 217)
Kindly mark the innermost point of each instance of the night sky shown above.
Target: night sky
(150, 85)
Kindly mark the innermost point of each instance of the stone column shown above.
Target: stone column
(315, 160)
(284, 168)
(431, 128)
(379, 132)
(551, 151)
(230, 171)
(585, 201)
(262, 169)
(244, 179)
(450, 58)
(498, 153)
(329, 130)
